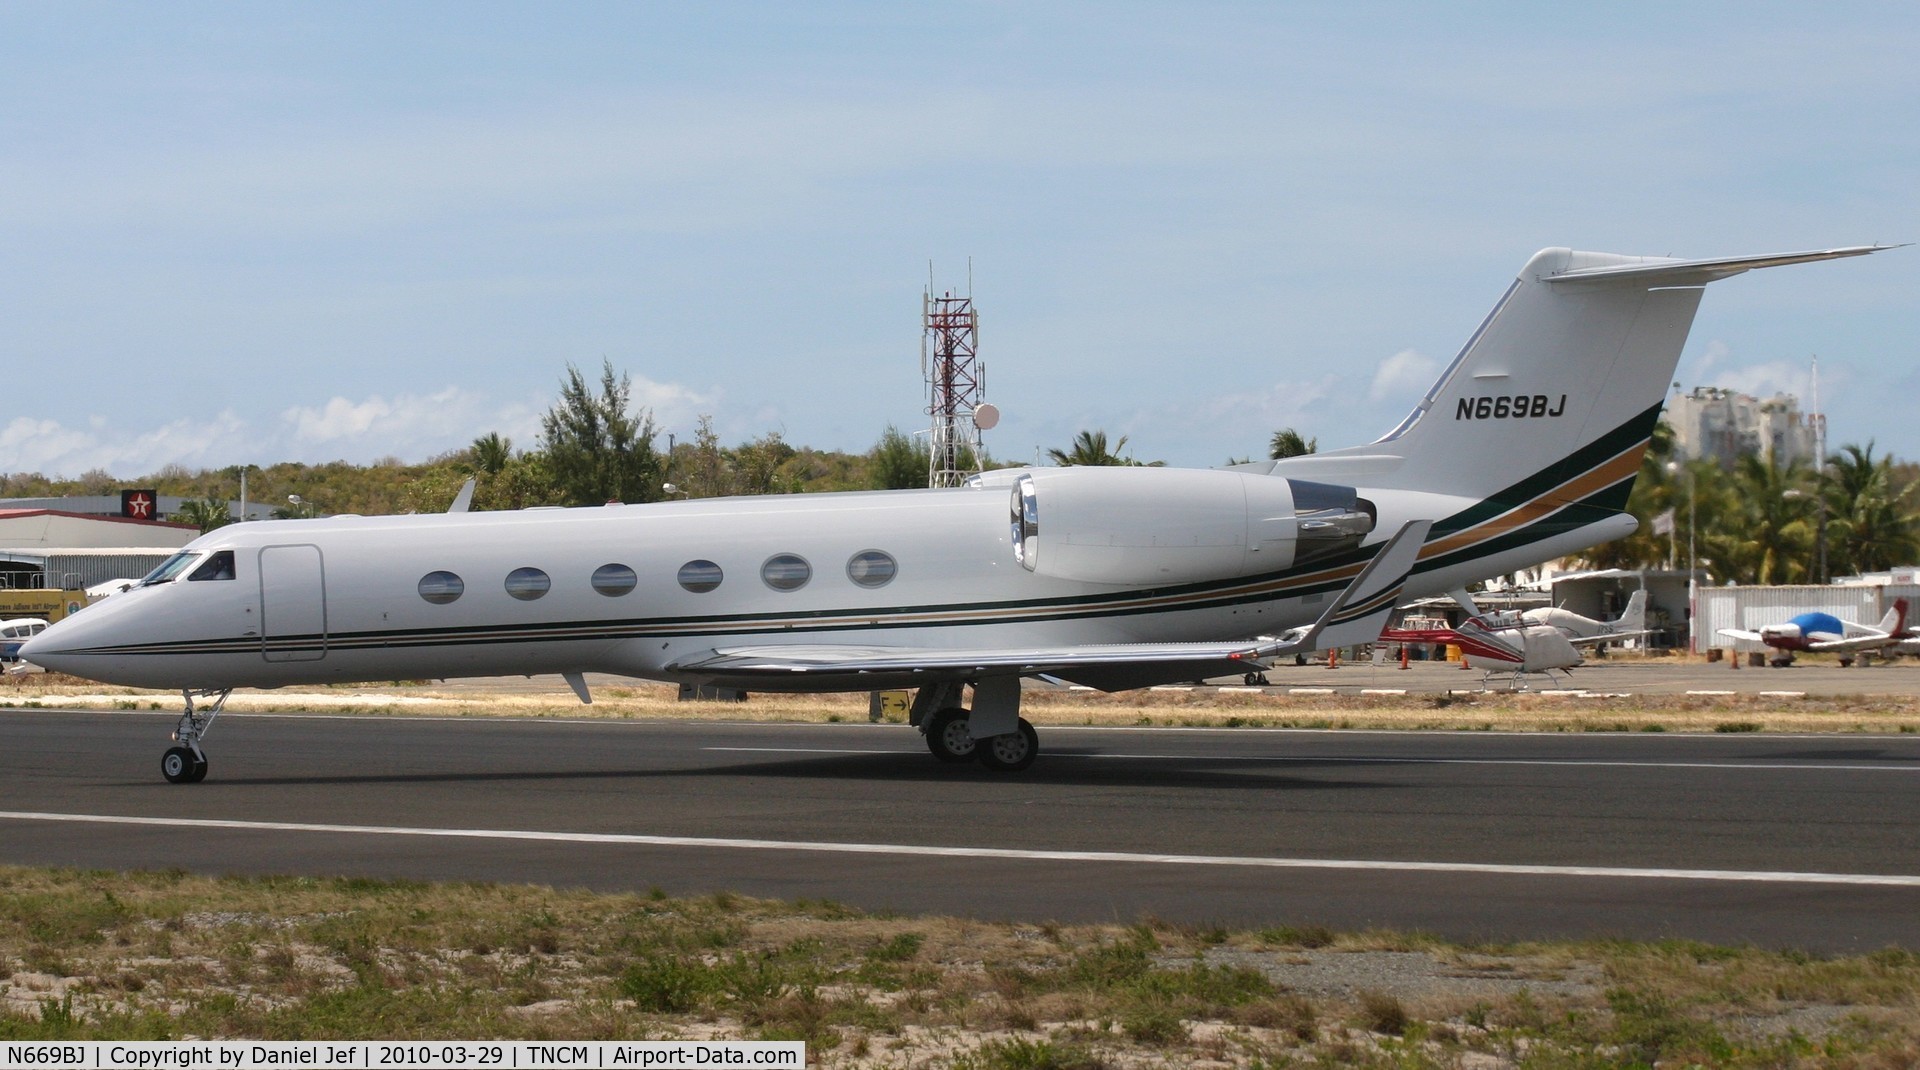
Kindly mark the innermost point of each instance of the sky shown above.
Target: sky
(248, 233)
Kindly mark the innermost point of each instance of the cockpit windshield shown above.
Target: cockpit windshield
(171, 567)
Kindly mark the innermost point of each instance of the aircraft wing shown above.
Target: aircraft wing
(1355, 617)
(1858, 642)
(1741, 633)
(1609, 637)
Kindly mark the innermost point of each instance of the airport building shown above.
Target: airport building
(64, 550)
(1723, 425)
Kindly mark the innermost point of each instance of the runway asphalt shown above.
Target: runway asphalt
(1798, 841)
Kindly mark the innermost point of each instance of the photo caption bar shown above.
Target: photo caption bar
(394, 1055)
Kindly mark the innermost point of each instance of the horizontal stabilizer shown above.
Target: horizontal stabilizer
(1658, 271)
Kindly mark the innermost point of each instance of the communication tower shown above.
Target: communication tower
(956, 385)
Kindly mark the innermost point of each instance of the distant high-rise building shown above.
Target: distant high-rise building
(1724, 425)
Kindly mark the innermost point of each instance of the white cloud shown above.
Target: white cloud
(408, 425)
(1405, 375)
(47, 446)
(673, 405)
(411, 426)
(1715, 368)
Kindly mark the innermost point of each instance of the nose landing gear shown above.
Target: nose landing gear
(186, 763)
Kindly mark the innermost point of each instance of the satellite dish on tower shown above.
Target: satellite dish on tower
(986, 415)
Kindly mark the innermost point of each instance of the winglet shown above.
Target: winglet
(1361, 611)
(463, 500)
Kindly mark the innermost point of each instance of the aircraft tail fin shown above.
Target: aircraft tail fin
(1566, 376)
(1634, 617)
(1895, 621)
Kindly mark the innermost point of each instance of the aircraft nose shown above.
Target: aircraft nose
(51, 649)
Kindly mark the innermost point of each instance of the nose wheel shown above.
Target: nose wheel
(185, 762)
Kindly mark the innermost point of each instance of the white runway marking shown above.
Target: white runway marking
(606, 838)
(1310, 760)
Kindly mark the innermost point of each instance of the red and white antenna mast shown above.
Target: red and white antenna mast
(956, 384)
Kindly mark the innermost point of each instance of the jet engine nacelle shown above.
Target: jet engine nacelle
(1166, 525)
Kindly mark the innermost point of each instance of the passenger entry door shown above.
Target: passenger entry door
(293, 604)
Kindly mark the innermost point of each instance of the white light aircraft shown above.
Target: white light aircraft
(1539, 642)
(1522, 452)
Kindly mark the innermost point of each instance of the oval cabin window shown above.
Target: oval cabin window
(614, 580)
(441, 587)
(872, 568)
(700, 576)
(786, 572)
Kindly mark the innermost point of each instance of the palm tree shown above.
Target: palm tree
(1288, 443)
(1760, 523)
(1871, 526)
(491, 452)
(1090, 448)
(204, 513)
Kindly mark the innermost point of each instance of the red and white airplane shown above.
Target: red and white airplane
(1824, 633)
(1537, 642)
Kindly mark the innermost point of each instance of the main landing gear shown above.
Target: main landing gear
(949, 727)
(185, 762)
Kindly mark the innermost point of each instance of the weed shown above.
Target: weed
(666, 984)
(1737, 726)
(1154, 1025)
(899, 948)
(1303, 936)
(1381, 1012)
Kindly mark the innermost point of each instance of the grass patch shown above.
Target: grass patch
(168, 955)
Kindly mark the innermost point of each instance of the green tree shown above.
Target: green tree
(1758, 526)
(898, 461)
(522, 484)
(1090, 448)
(204, 513)
(757, 465)
(1870, 524)
(598, 447)
(704, 472)
(491, 453)
(1288, 443)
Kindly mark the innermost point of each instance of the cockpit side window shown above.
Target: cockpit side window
(171, 568)
(218, 566)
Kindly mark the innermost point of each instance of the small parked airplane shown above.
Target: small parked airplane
(1524, 450)
(1537, 642)
(15, 632)
(1824, 633)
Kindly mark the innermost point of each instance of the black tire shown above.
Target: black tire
(1012, 752)
(199, 770)
(177, 765)
(947, 736)
(1846, 663)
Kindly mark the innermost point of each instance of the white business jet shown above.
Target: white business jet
(1522, 452)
